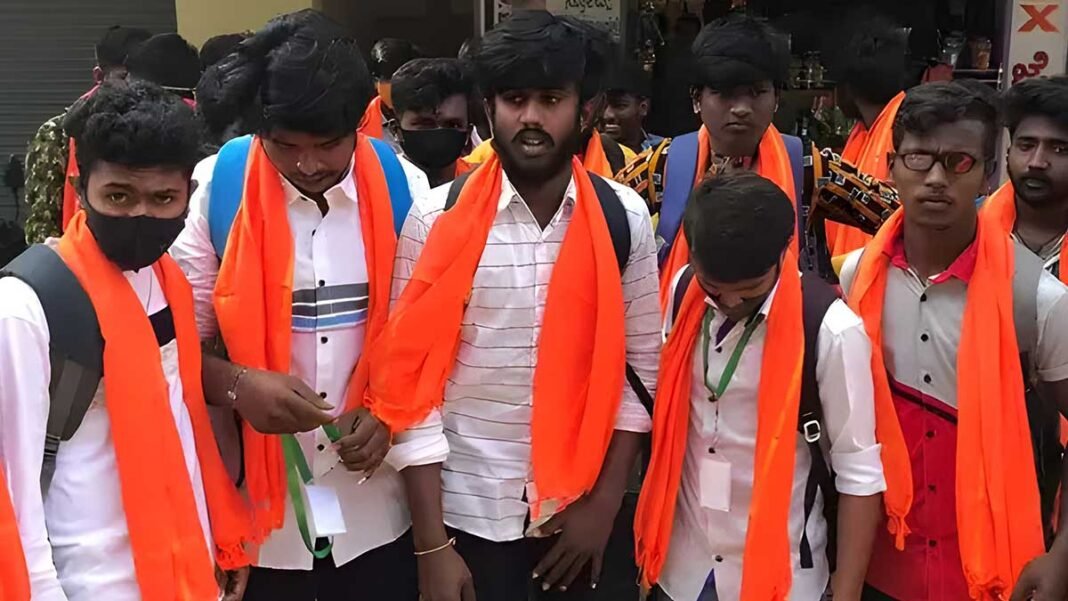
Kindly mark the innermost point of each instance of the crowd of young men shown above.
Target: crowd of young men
(343, 358)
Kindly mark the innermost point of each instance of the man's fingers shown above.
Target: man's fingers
(467, 593)
(305, 415)
(553, 526)
(596, 563)
(555, 577)
(310, 396)
(573, 573)
(549, 561)
(1024, 587)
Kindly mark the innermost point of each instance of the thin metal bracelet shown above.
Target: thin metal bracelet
(232, 393)
(451, 543)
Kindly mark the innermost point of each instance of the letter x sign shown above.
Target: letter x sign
(1038, 17)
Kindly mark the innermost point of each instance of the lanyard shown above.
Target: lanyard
(297, 471)
(732, 364)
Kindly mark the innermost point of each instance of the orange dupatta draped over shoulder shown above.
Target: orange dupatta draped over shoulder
(70, 195)
(578, 381)
(14, 579)
(998, 517)
(371, 122)
(866, 150)
(766, 568)
(170, 556)
(773, 163)
(254, 300)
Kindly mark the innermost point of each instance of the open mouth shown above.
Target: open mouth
(534, 145)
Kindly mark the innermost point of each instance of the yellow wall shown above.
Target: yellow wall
(199, 20)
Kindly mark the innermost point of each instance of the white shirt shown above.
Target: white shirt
(76, 542)
(704, 540)
(329, 317)
(487, 413)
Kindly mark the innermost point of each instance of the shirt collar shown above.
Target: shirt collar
(344, 189)
(509, 194)
(961, 268)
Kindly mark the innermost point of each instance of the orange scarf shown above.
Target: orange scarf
(254, 300)
(371, 122)
(14, 579)
(773, 163)
(578, 382)
(70, 195)
(998, 518)
(766, 567)
(169, 551)
(867, 150)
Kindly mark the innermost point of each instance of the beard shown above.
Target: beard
(532, 170)
(1035, 190)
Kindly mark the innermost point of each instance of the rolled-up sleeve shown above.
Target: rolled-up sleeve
(847, 393)
(195, 254)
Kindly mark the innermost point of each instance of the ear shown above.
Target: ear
(98, 74)
(695, 95)
(643, 108)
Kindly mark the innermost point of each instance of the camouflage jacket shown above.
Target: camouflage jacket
(46, 168)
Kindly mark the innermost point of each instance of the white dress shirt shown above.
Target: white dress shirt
(486, 417)
(703, 540)
(76, 541)
(329, 319)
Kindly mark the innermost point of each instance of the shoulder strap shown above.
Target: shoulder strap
(678, 184)
(455, 188)
(227, 188)
(76, 348)
(1025, 298)
(400, 195)
(680, 292)
(795, 149)
(817, 298)
(615, 214)
(614, 153)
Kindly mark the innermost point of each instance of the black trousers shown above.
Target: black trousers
(871, 594)
(504, 571)
(387, 573)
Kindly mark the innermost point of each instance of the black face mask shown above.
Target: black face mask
(434, 148)
(133, 243)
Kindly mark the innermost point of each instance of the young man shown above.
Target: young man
(168, 61)
(135, 502)
(511, 330)
(48, 152)
(432, 97)
(958, 314)
(739, 326)
(1035, 202)
(302, 216)
(740, 65)
(870, 71)
(387, 55)
(627, 107)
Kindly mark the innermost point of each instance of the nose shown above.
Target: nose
(307, 165)
(530, 115)
(741, 109)
(936, 176)
(1039, 159)
(139, 209)
(729, 300)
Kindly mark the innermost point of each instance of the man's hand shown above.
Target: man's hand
(443, 576)
(366, 445)
(279, 404)
(584, 529)
(1044, 579)
(231, 584)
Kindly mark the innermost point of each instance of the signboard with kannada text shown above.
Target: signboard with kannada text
(1038, 40)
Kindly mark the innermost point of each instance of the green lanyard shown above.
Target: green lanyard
(297, 471)
(732, 364)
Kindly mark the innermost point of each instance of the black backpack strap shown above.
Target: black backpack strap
(818, 296)
(455, 188)
(680, 292)
(615, 215)
(614, 153)
(76, 348)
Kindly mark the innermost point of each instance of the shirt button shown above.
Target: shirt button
(932, 543)
(321, 447)
(322, 283)
(719, 559)
(322, 395)
(924, 337)
(323, 339)
(712, 450)
(930, 434)
(931, 487)
(923, 297)
(927, 378)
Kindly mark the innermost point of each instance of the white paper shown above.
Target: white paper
(715, 484)
(324, 511)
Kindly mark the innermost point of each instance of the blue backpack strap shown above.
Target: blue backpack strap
(400, 196)
(680, 174)
(795, 149)
(227, 188)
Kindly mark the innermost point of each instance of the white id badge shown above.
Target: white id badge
(715, 484)
(324, 511)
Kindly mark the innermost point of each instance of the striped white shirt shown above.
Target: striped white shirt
(486, 417)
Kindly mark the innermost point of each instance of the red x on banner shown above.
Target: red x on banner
(1039, 18)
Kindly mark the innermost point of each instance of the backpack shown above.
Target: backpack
(817, 296)
(615, 215)
(681, 170)
(228, 187)
(614, 153)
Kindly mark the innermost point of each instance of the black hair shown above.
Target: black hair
(390, 54)
(469, 49)
(218, 47)
(535, 49)
(135, 124)
(931, 105)
(301, 72)
(1043, 96)
(166, 60)
(738, 224)
(738, 50)
(630, 78)
(425, 83)
(872, 61)
(115, 45)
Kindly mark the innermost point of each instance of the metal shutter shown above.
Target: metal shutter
(47, 57)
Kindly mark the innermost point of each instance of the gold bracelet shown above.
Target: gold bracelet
(451, 543)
